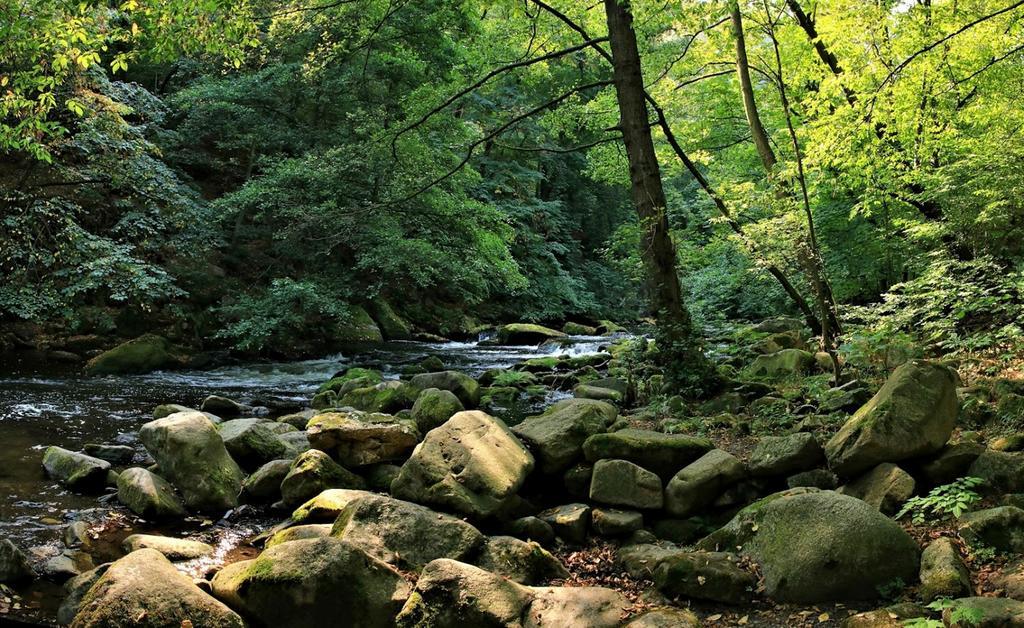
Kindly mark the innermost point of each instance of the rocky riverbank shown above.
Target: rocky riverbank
(425, 501)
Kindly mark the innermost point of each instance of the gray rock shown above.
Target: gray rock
(785, 455)
(665, 617)
(886, 487)
(222, 406)
(173, 549)
(1001, 527)
(713, 576)
(14, 565)
(912, 415)
(314, 582)
(622, 483)
(664, 454)
(251, 442)
(613, 522)
(985, 612)
(701, 482)
(532, 529)
(472, 464)
(114, 454)
(76, 471)
(264, 485)
(192, 456)
(847, 549)
(570, 522)
(312, 473)
(298, 420)
(520, 561)
(943, 573)
(404, 534)
(815, 478)
(461, 385)
(556, 437)
(1002, 471)
(951, 463)
(148, 495)
(143, 589)
(360, 438)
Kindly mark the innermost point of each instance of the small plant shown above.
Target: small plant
(892, 589)
(951, 499)
(962, 616)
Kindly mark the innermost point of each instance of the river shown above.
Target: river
(43, 404)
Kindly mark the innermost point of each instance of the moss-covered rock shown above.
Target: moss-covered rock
(336, 383)
(700, 483)
(588, 391)
(404, 534)
(251, 442)
(264, 485)
(578, 329)
(144, 590)
(570, 522)
(173, 549)
(298, 533)
(141, 355)
(391, 325)
(471, 464)
(816, 546)
(358, 439)
(622, 483)
(450, 594)
(433, 407)
(556, 436)
(519, 561)
(388, 397)
(314, 582)
(461, 385)
(148, 495)
(74, 470)
(886, 487)
(664, 454)
(1003, 471)
(192, 456)
(326, 506)
(312, 473)
(785, 455)
(943, 573)
(359, 327)
(784, 363)
(1001, 527)
(526, 334)
(912, 415)
(713, 576)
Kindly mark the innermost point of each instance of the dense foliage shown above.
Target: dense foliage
(248, 171)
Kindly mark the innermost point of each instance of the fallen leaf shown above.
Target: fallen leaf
(714, 617)
(824, 617)
(743, 620)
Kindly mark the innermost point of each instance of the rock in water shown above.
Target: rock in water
(142, 355)
(74, 470)
(818, 546)
(251, 442)
(403, 534)
(14, 565)
(312, 473)
(433, 407)
(912, 415)
(526, 334)
(192, 456)
(173, 549)
(472, 464)
(264, 485)
(144, 590)
(459, 384)
(359, 438)
(148, 495)
(556, 437)
(314, 582)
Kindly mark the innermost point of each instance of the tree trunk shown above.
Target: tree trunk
(757, 132)
(678, 345)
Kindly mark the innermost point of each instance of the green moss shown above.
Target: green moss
(336, 383)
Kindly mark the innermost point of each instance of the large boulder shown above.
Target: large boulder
(557, 436)
(313, 582)
(403, 534)
(817, 546)
(433, 407)
(912, 415)
(622, 483)
(459, 384)
(312, 473)
(943, 573)
(358, 327)
(148, 495)
(784, 363)
(391, 325)
(264, 485)
(192, 456)
(472, 464)
(388, 397)
(1001, 527)
(664, 454)
(251, 442)
(325, 507)
(526, 334)
(521, 561)
(886, 487)
(76, 471)
(173, 549)
(713, 576)
(358, 438)
(1003, 471)
(14, 565)
(701, 482)
(144, 590)
(785, 455)
(142, 355)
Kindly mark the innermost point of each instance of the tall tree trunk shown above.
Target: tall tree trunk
(757, 132)
(678, 344)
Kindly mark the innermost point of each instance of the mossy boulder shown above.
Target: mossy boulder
(264, 485)
(472, 464)
(557, 435)
(358, 439)
(700, 483)
(778, 341)
(1001, 527)
(336, 383)
(588, 391)
(357, 328)
(314, 582)
(578, 329)
(388, 397)
(943, 573)
(886, 487)
(664, 454)
(148, 495)
(251, 442)
(785, 455)
(433, 407)
(818, 546)
(191, 455)
(784, 363)
(520, 561)
(391, 325)
(144, 590)
(74, 470)
(326, 506)
(141, 355)
(1003, 471)
(526, 334)
(404, 534)
(312, 473)
(172, 548)
(712, 576)
(622, 483)
(298, 533)
(461, 385)
(912, 415)
(14, 564)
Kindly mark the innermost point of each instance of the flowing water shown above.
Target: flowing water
(46, 404)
